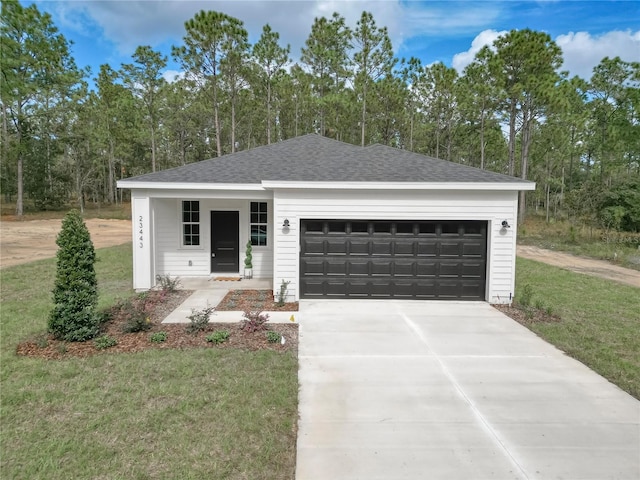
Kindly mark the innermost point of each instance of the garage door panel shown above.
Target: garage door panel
(359, 247)
(403, 268)
(449, 269)
(381, 248)
(336, 267)
(426, 269)
(476, 270)
(389, 259)
(450, 249)
(381, 267)
(359, 267)
(404, 248)
(336, 246)
(473, 249)
(313, 287)
(313, 266)
(313, 247)
(427, 249)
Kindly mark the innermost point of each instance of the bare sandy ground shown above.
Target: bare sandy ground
(588, 266)
(26, 241)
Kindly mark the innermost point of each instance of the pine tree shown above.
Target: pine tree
(75, 293)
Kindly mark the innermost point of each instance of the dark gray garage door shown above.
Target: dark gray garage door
(393, 259)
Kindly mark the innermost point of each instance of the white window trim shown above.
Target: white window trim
(257, 223)
(181, 225)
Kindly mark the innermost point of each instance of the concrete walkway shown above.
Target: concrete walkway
(449, 390)
(209, 292)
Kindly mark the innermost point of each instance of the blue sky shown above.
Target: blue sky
(447, 31)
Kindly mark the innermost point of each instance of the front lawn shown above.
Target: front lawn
(600, 320)
(196, 413)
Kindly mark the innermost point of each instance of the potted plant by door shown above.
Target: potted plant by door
(248, 262)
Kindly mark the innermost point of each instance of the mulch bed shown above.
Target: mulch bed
(45, 346)
(254, 300)
(527, 315)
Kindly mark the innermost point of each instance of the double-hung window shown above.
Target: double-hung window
(258, 223)
(190, 223)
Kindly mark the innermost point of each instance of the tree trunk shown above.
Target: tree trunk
(364, 111)
(19, 204)
(153, 149)
(512, 136)
(268, 112)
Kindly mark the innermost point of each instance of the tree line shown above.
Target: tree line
(512, 110)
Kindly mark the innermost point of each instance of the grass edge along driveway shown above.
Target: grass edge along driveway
(600, 320)
(197, 413)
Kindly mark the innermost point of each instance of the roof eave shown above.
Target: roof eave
(495, 186)
(188, 186)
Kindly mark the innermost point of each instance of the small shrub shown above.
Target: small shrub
(539, 304)
(526, 295)
(273, 337)
(158, 337)
(219, 336)
(282, 294)
(254, 321)
(105, 342)
(199, 319)
(61, 348)
(549, 310)
(41, 340)
(167, 284)
(75, 293)
(138, 321)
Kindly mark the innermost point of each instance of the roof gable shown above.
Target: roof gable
(313, 158)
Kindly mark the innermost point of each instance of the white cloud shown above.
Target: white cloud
(583, 51)
(486, 37)
(171, 76)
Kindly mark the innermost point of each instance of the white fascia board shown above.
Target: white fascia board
(188, 186)
(495, 186)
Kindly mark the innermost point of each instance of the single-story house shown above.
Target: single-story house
(333, 219)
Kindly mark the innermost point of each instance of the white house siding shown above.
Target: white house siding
(163, 253)
(173, 259)
(490, 206)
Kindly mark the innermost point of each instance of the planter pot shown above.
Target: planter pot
(248, 273)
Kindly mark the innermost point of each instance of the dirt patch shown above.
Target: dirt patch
(26, 241)
(45, 346)
(588, 266)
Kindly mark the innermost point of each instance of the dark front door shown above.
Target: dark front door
(393, 259)
(225, 256)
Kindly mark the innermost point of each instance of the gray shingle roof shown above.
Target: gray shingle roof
(313, 158)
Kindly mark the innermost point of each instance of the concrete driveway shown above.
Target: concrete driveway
(451, 390)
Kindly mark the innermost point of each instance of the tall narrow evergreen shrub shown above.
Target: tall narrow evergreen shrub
(75, 293)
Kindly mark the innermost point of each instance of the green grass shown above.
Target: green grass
(621, 248)
(197, 413)
(600, 320)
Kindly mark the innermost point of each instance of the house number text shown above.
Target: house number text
(140, 232)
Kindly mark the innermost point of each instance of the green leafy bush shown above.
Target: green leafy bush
(105, 342)
(273, 337)
(199, 319)
(219, 336)
(137, 321)
(75, 292)
(254, 321)
(158, 337)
